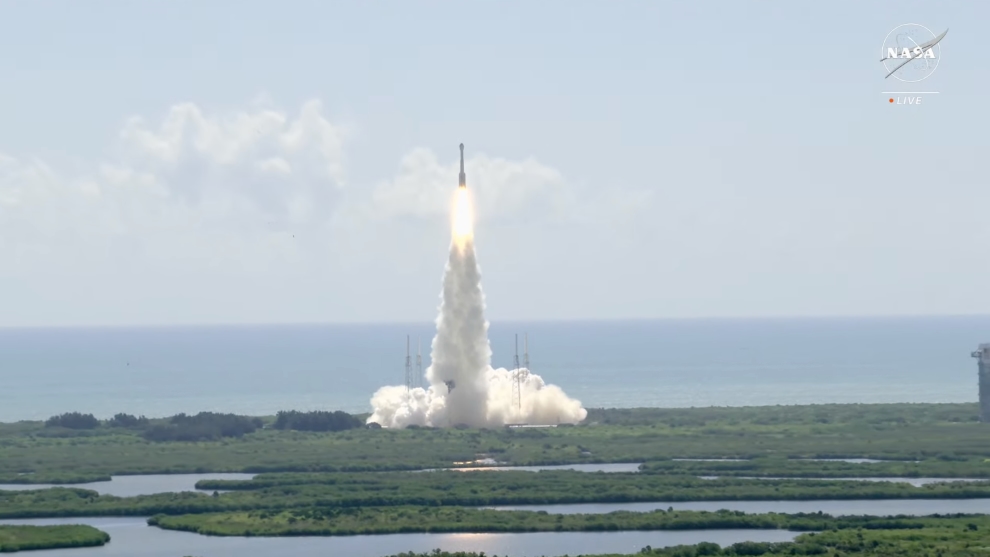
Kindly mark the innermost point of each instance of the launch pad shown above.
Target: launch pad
(464, 388)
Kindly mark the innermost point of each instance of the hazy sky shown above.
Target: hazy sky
(231, 162)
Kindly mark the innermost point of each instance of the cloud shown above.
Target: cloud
(213, 205)
(195, 189)
(178, 194)
(503, 189)
(235, 169)
(506, 192)
(290, 170)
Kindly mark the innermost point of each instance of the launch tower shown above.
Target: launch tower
(983, 361)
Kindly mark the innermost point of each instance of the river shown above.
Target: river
(147, 484)
(131, 537)
(607, 468)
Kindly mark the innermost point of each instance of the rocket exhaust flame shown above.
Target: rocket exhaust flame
(461, 357)
(463, 219)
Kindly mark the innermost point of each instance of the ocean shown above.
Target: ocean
(259, 370)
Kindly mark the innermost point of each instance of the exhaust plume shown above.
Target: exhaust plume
(463, 386)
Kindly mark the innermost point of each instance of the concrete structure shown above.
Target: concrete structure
(983, 360)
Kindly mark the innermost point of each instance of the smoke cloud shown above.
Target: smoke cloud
(463, 386)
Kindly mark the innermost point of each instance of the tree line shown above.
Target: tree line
(316, 421)
(207, 426)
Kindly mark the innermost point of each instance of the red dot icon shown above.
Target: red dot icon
(891, 100)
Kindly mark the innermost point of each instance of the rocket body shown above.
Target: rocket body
(462, 177)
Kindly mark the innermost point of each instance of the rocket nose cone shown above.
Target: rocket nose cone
(462, 146)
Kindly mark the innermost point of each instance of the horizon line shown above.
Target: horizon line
(218, 324)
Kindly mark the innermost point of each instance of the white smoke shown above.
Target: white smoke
(480, 396)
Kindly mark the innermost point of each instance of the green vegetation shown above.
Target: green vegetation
(944, 537)
(316, 421)
(323, 473)
(395, 520)
(436, 489)
(863, 415)
(791, 468)
(205, 426)
(73, 420)
(896, 432)
(956, 535)
(18, 538)
(567, 486)
(127, 420)
(56, 478)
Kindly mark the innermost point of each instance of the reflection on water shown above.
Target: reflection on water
(875, 507)
(710, 459)
(129, 486)
(609, 468)
(853, 460)
(131, 537)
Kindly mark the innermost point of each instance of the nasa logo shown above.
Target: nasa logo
(911, 52)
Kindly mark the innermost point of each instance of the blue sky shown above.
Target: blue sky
(632, 159)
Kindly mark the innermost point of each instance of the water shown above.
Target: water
(873, 507)
(129, 486)
(148, 484)
(608, 468)
(677, 363)
(917, 482)
(849, 460)
(710, 459)
(131, 537)
(852, 460)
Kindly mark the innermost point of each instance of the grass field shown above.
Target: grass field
(20, 538)
(358, 480)
(30, 452)
(395, 520)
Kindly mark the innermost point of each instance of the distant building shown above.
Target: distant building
(983, 360)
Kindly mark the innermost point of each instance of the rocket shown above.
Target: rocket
(462, 177)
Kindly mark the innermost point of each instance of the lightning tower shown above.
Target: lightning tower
(982, 356)
(419, 361)
(526, 351)
(408, 367)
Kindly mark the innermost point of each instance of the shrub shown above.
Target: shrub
(73, 420)
(127, 420)
(316, 421)
(205, 426)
